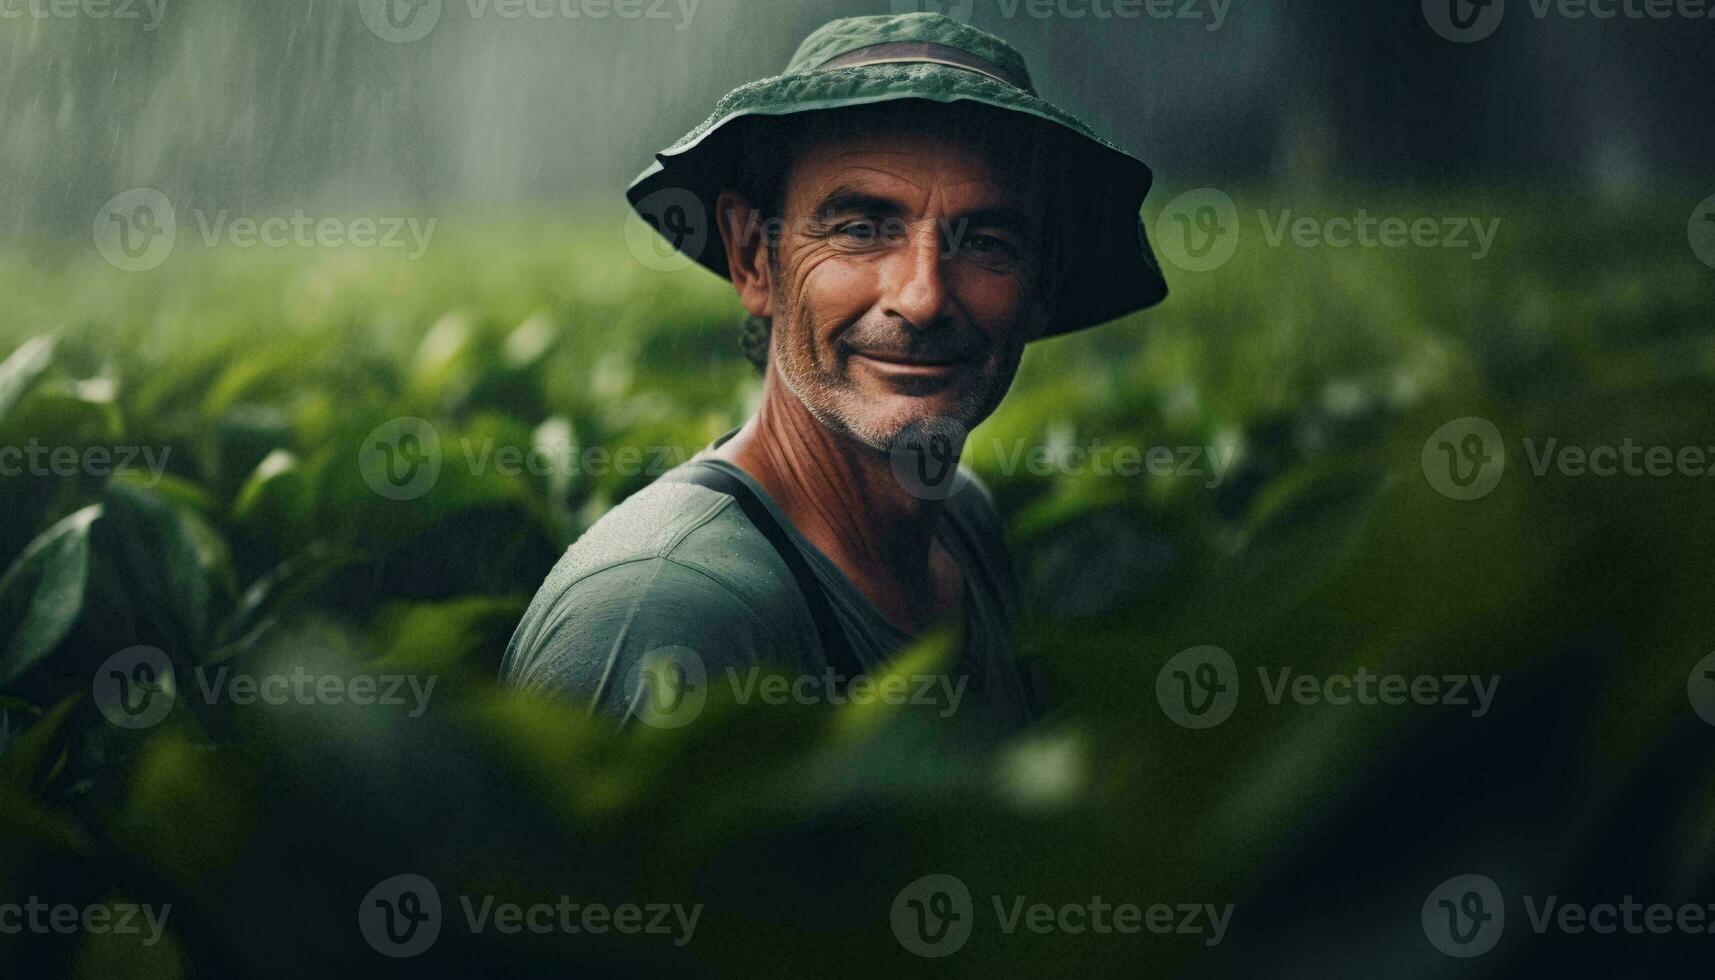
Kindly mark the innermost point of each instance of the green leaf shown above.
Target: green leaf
(31, 753)
(1299, 532)
(277, 498)
(59, 415)
(22, 369)
(191, 809)
(438, 637)
(242, 441)
(42, 593)
(32, 828)
(276, 594)
(112, 956)
(172, 559)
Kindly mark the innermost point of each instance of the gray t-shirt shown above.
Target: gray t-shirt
(679, 567)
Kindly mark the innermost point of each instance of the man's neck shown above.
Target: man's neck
(843, 496)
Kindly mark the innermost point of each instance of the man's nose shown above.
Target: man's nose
(916, 279)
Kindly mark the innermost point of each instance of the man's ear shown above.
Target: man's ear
(744, 235)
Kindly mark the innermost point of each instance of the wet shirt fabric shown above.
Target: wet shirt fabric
(679, 567)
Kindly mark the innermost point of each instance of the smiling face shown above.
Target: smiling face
(910, 272)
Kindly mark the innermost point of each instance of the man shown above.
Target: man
(899, 214)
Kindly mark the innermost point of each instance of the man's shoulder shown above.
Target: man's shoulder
(674, 564)
(705, 530)
(689, 526)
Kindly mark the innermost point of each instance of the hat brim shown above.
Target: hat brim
(1111, 270)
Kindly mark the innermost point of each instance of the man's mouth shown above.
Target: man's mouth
(911, 360)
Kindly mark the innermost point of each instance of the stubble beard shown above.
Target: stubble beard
(832, 399)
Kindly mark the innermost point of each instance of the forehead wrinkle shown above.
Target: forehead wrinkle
(931, 152)
(863, 178)
(987, 193)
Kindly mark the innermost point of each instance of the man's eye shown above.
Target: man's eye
(862, 230)
(986, 246)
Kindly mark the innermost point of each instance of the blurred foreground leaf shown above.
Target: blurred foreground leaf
(42, 593)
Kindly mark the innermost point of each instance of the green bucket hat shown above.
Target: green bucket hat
(867, 60)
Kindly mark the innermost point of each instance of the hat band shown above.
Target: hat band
(897, 52)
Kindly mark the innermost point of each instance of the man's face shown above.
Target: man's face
(908, 281)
